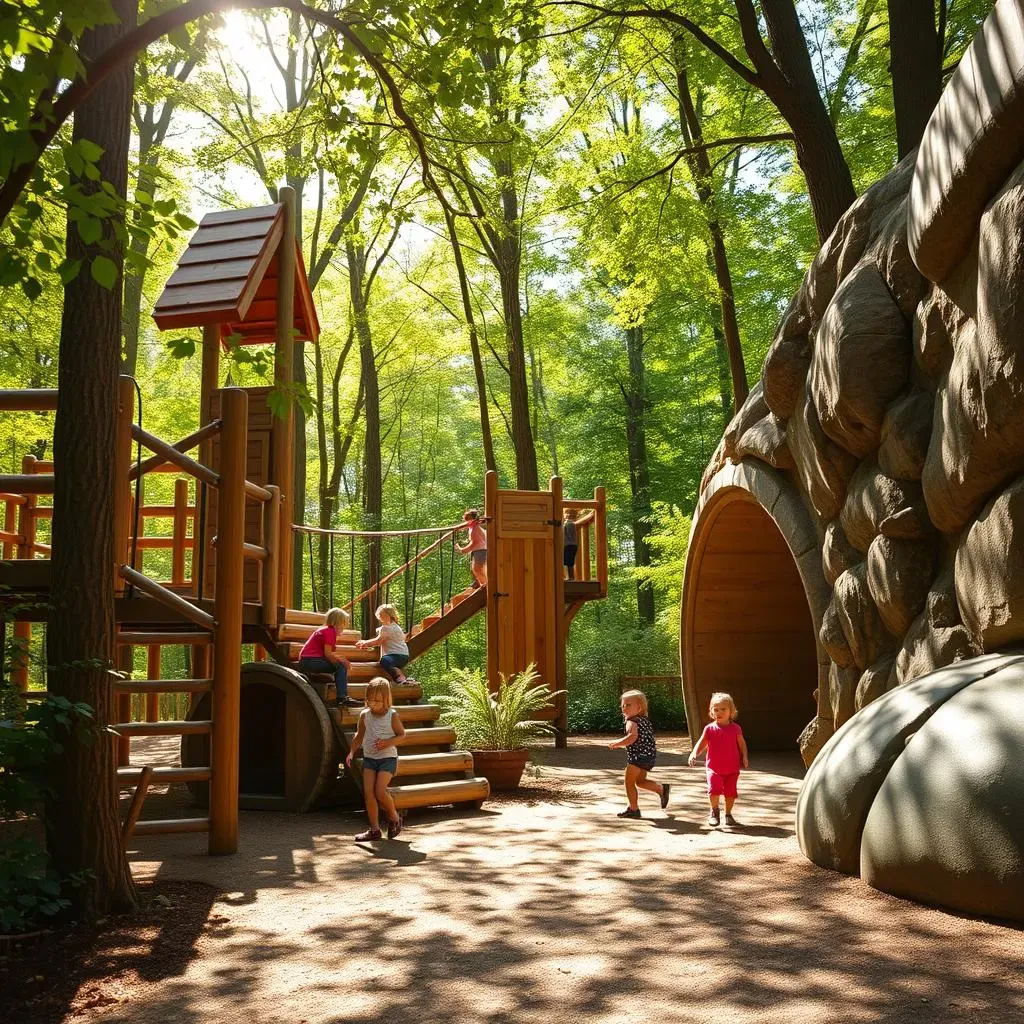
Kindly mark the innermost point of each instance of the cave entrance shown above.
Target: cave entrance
(747, 627)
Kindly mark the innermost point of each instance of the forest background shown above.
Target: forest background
(565, 254)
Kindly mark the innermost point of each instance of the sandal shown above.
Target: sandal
(629, 812)
(395, 828)
(665, 787)
(371, 835)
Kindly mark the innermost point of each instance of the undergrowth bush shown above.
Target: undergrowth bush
(604, 649)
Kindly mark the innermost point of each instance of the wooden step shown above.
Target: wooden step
(399, 691)
(429, 621)
(434, 794)
(354, 654)
(162, 728)
(426, 738)
(410, 714)
(163, 776)
(302, 631)
(433, 764)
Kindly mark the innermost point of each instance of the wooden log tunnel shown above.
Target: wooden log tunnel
(752, 603)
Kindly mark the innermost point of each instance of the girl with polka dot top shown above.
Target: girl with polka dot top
(641, 752)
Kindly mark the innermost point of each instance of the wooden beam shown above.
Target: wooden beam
(558, 624)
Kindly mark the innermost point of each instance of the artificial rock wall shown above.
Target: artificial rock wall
(891, 402)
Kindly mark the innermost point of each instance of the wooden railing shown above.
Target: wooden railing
(592, 538)
(422, 583)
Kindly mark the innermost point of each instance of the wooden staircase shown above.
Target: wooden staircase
(430, 773)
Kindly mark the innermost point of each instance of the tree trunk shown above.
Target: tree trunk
(790, 84)
(83, 829)
(639, 477)
(474, 343)
(915, 66)
(373, 488)
(700, 169)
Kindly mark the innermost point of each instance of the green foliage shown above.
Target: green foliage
(603, 649)
(484, 721)
(32, 734)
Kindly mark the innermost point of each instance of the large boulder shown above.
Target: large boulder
(937, 320)
(874, 681)
(990, 571)
(861, 624)
(861, 361)
(972, 142)
(899, 575)
(837, 553)
(766, 440)
(906, 431)
(927, 647)
(823, 467)
(978, 431)
(946, 825)
(876, 503)
(842, 783)
(787, 362)
(752, 410)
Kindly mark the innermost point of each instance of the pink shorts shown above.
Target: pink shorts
(722, 785)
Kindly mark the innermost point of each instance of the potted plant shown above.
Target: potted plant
(497, 728)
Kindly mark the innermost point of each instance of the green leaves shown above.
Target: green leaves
(103, 271)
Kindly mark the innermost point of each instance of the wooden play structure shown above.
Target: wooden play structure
(261, 734)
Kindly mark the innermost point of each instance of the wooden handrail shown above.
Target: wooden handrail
(27, 483)
(257, 552)
(15, 499)
(397, 572)
(167, 597)
(171, 454)
(28, 400)
(255, 491)
(186, 444)
(296, 528)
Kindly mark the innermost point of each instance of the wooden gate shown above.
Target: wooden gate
(526, 599)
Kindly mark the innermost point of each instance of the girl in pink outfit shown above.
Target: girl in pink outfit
(475, 547)
(726, 750)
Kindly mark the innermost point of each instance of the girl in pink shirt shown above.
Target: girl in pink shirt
(475, 547)
(726, 750)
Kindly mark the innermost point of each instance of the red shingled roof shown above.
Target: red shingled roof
(228, 276)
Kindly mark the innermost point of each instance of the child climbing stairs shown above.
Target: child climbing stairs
(430, 773)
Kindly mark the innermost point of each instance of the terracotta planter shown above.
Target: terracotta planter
(501, 768)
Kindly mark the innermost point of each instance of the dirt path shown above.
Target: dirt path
(555, 911)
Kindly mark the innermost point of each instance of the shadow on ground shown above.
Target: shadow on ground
(560, 912)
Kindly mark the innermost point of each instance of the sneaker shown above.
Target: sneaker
(371, 835)
(731, 821)
(395, 828)
(349, 702)
(713, 819)
(665, 787)
(629, 812)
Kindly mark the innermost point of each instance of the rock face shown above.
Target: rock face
(891, 407)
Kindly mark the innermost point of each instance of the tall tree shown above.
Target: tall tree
(83, 830)
(915, 49)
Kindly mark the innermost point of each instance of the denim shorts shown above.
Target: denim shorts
(647, 763)
(380, 764)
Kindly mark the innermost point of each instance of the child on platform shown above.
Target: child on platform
(570, 542)
(319, 654)
(726, 748)
(475, 547)
(641, 751)
(390, 638)
(378, 734)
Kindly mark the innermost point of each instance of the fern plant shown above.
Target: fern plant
(502, 721)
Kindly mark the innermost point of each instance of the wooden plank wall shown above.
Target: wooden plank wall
(753, 634)
(524, 542)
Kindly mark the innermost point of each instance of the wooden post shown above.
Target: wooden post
(153, 672)
(282, 458)
(272, 542)
(558, 631)
(138, 799)
(209, 383)
(493, 609)
(583, 555)
(22, 631)
(227, 609)
(601, 538)
(179, 532)
(122, 485)
(10, 526)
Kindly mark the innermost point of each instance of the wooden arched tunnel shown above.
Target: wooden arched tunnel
(749, 622)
